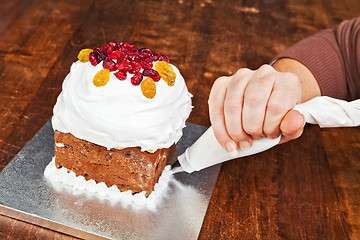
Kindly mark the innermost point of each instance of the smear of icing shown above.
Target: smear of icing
(59, 177)
(59, 145)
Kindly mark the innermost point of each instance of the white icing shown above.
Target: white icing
(59, 145)
(118, 114)
(77, 184)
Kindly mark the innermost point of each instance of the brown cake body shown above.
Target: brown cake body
(128, 168)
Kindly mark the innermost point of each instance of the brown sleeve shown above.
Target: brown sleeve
(333, 57)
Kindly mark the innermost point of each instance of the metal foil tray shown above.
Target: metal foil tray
(26, 195)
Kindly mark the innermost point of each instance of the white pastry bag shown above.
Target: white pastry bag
(325, 111)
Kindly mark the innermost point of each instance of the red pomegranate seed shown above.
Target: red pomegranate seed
(116, 55)
(120, 75)
(109, 64)
(93, 60)
(136, 67)
(125, 56)
(132, 55)
(161, 57)
(152, 73)
(145, 53)
(124, 66)
(146, 63)
(137, 59)
(99, 54)
(115, 45)
(119, 44)
(137, 78)
(129, 47)
(108, 49)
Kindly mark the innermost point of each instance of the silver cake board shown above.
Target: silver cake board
(26, 195)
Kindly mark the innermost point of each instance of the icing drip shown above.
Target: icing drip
(60, 177)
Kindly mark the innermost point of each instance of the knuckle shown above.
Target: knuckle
(220, 80)
(290, 80)
(277, 107)
(219, 83)
(272, 132)
(255, 99)
(242, 72)
(253, 130)
(236, 135)
(265, 69)
(217, 87)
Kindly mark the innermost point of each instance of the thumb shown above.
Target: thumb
(292, 125)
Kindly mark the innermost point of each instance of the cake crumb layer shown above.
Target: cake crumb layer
(128, 168)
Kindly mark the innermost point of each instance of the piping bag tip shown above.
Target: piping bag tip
(177, 169)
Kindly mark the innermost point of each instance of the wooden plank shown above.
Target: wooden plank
(39, 224)
(283, 193)
(343, 153)
(14, 229)
(30, 46)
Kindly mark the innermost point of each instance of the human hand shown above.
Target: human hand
(250, 105)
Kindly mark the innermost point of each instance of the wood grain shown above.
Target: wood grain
(278, 195)
(343, 159)
(304, 189)
(30, 47)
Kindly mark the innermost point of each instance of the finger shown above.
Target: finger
(293, 136)
(216, 113)
(285, 95)
(256, 96)
(292, 125)
(233, 108)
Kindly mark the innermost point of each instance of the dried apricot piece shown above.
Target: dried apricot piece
(83, 55)
(101, 77)
(166, 72)
(148, 88)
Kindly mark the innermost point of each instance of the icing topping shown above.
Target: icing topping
(117, 114)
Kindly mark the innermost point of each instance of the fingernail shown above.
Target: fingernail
(231, 148)
(244, 145)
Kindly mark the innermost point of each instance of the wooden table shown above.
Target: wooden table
(305, 189)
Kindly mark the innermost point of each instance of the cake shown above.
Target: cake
(119, 116)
